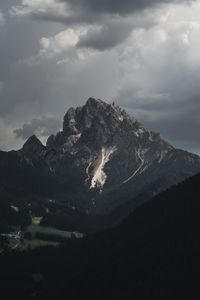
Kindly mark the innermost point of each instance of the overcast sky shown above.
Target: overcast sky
(143, 54)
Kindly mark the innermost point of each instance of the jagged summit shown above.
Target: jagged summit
(106, 151)
(93, 108)
(102, 158)
(95, 102)
(33, 144)
(97, 123)
(33, 139)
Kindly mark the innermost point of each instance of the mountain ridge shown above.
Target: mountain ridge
(95, 127)
(99, 162)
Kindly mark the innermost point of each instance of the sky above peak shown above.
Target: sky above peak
(142, 54)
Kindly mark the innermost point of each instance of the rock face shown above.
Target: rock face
(102, 158)
(108, 145)
(98, 133)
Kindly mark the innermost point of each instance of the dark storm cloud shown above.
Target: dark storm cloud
(114, 31)
(90, 11)
(108, 15)
(121, 7)
(42, 127)
(106, 37)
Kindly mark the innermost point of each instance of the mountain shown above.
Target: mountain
(101, 165)
(148, 256)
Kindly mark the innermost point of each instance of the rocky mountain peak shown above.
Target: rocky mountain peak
(95, 102)
(102, 151)
(82, 117)
(33, 145)
(97, 120)
(105, 144)
(96, 133)
(98, 124)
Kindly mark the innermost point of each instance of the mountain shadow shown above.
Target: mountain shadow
(146, 257)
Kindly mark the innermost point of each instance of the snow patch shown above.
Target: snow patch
(100, 176)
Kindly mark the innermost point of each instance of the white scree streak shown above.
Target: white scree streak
(138, 169)
(87, 172)
(100, 177)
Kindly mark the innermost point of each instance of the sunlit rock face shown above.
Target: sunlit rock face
(108, 157)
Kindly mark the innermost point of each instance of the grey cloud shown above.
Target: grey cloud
(43, 127)
(117, 6)
(74, 19)
(93, 11)
(178, 125)
(2, 19)
(107, 37)
(181, 129)
(23, 84)
(32, 86)
(108, 15)
(115, 31)
(161, 88)
(6, 4)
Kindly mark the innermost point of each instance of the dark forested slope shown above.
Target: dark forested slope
(147, 257)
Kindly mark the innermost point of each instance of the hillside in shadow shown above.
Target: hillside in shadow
(146, 257)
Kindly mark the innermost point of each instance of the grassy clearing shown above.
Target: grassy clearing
(40, 236)
(35, 227)
(36, 220)
(32, 244)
